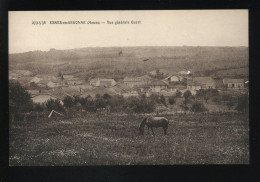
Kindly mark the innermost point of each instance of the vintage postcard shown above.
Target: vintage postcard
(128, 87)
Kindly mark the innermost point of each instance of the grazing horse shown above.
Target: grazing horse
(155, 122)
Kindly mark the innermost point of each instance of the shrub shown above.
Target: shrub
(54, 104)
(106, 96)
(38, 107)
(19, 99)
(172, 100)
(163, 101)
(68, 102)
(198, 107)
(155, 98)
(178, 94)
(184, 105)
(206, 94)
(116, 103)
(187, 94)
(243, 103)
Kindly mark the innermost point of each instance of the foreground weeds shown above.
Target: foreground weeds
(113, 140)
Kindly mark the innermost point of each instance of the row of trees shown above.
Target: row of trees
(20, 101)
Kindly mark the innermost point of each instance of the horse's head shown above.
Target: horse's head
(142, 125)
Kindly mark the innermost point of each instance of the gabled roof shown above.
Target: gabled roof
(144, 77)
(193, 83)
(25, 79)
(219, 83)
(230, 80)
(203, 80)
(158, 83)
(132, 79)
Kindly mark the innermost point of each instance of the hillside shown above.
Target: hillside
(87, 62)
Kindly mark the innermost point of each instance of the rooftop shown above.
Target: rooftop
(230, 80)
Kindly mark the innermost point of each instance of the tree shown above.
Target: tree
(172, 100)
(198, 107)
(163, 101)
(106, 96)
(38, 107)
(54, 104)
(187, 94)
(178, 94)
(19, 99)
(68, 102)
(155, 98)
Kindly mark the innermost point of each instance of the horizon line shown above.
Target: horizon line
(121, 47)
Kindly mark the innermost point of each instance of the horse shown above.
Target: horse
(155, 122)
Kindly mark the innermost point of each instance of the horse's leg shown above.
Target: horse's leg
(152, 131)
(164, 129)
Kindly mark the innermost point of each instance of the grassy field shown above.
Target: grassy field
(113, 140)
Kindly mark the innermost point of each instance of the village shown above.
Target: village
(45, 87)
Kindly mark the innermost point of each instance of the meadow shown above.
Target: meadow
(112, 139)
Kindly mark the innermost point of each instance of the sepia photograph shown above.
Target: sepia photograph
(139, 87)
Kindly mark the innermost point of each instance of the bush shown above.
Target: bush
(155, 98)
(216, 99)
(54, 104)
(163, 101)
(68, 102)
(187, 94)
(243, 103)
(138, 105)
(116, 103)
(206, 94)
(198, 107)
(106, 96)
(178, 94)
(19, 99)
(172, 100)
(38, 107)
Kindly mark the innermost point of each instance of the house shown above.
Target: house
(174, 78)
(192, 85)
(157, 85)
(62, 92)
(107, 82)
(132, 93)
(44, 97)
(234, 83)
(25, 81)
(51, 84)
(132, 81)
(137, 81)
(71, 80)
(94, 82)
(219, 83)
(197, 83)
(35, 80)
(184, 72)
(46, 81)
(97, 82)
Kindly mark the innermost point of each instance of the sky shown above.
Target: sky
(157, 28)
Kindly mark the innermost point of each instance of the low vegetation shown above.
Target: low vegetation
(112, 139)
